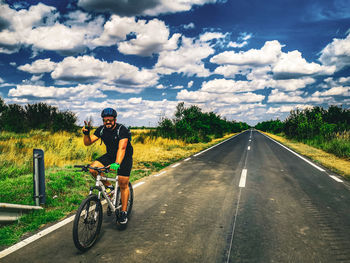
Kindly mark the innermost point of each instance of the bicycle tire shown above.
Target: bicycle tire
(130, 200)
(87, 228)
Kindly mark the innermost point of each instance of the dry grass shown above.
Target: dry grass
(62, 149)
(336, 164)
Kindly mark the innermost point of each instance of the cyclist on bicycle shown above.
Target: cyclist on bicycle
(117, 139)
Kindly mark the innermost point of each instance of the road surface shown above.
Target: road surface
(246, 200)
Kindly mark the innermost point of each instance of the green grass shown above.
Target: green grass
(65, 189)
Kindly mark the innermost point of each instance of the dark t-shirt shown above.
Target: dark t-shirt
(111, 139)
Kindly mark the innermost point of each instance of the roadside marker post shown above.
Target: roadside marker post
(38, 177)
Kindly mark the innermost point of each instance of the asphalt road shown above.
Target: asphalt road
(203, 210)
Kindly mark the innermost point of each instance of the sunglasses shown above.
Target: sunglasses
(108, 120)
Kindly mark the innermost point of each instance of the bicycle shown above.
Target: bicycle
(88, 219)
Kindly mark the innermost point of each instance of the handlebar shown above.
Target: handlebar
(85, 168)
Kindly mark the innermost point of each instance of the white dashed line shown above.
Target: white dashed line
(336, 178)
(175, 165)
(187, 159)
(243, 178)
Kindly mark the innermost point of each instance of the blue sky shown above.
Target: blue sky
(247, 60)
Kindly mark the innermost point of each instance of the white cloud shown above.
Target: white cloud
(145, 7)
(268, 54)
(337, 53)
(201, 96)
(344, 80)
(89, 69)
(72, 93)
(208, 36)
(160, 86)
(187, 59)
(291, 84)
(178, 87)
(287, 108)
(241, 41)
(292, 65)
(277, 96)
(230, 71)
(39, 66)
(335, 91)
(148, 37)
(226, 85)
(39, 27)
(189, 26)
(190, 84)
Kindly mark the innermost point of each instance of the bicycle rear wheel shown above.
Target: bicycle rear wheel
(87, 223)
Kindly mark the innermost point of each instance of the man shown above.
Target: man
(117, 139)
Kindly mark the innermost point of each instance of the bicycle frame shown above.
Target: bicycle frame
(102, 189)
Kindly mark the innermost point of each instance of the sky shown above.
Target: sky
(246, 60)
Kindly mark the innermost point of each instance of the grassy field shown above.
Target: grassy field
(339, 165)
(65, 188)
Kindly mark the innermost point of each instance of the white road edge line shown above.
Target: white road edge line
(175, 165)
(160, 173)
(336, 178)
(45, 232)
(187, 159)
(301, 157)
(243, 178)
(216, 145)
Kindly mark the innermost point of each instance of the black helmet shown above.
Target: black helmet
(108, 112)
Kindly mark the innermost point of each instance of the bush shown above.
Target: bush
(38, 116)
(192, 125)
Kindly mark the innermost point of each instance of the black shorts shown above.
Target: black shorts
(125, 166)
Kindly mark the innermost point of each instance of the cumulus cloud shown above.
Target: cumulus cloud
(190, 84)
(147, 37)
(226, 98)
(269, 61)
(72, 93)
(292, 65)
(39, 66)
(39, 27)
(278, 96)
(19, 24)
(268, 54)
(187, 59)
(89, 69)
(287, 108)
(337, 53)
(335, 91)
(145, 7)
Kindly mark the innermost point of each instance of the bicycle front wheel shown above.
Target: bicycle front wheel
(87, 223)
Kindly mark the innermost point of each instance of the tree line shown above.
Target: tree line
(192, 125)
(310, 123)
(38, 116)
